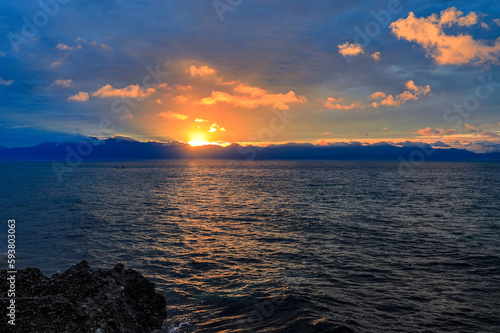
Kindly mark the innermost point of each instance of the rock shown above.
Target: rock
(83, 300)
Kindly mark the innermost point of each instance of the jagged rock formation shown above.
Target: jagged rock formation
(83, 300)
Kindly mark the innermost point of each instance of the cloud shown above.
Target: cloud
(215, 128)
(200, 120)
(62, 83)
(183, 88)
(201, 71)
(93, 43)
(440, 144)
(181, 99)
(170, 115)
(471, 128)
(80, 41)
(80, 97)
(447, 49)
(413, 92)
(219, 80)
(418, 90)
(5, 82)
(363, 134)
(158, 101)
(64, 47)
(334, 104)
(497, 21)
(429, 131)
(56, 63)
(132, 91)
(376, 56)
(252, 97)
(480, 130)
(466, 129)
(352, 50)
(378, 95)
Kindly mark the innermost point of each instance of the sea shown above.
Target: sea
(275, 246)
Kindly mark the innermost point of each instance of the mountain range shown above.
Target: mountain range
(126, 149)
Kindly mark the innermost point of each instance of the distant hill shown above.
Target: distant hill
(125, 149)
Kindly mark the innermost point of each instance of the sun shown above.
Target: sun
(199, 140)
(197, 143)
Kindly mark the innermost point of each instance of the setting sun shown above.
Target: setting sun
(199, 140)
(196, 143)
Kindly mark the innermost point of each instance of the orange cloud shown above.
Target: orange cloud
(413, 92)
(181, 99)
(436, 131)
(376, 56)
(170, 115)
(219, 80)
(480, 130)
(183, 88)
(80, 97)
(418, 90)
(467, 130)
(352, 50)
(429, 132)
(132, 91)
(447, 49)
(201, 71)
(215, 128)
(252, 97)
(378, 95)
(334, 104)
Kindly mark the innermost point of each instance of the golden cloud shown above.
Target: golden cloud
(132, 91)
(375, 56)
(413, 92)
(201, 71)
(252, 97)
(180, 99)
(447, 49)
(170, 115)
(352, 50)
(80, 97)
(215, 128)
(334, 104)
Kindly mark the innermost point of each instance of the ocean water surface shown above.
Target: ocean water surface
(292, 246)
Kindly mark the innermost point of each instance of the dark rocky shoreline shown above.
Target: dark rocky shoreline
(83, 300)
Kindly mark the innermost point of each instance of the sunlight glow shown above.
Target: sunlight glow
(199, 140)
(197, 143)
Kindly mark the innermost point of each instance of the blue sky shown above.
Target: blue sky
(226, 69)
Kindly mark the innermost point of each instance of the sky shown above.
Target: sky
(243, 71)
